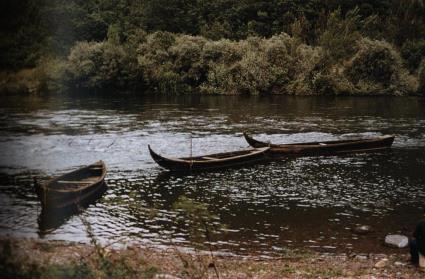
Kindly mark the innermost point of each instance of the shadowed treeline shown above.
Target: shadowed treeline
(225, 47)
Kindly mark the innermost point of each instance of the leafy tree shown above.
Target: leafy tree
(341, 34)
(23, 34)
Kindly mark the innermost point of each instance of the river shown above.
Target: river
(308, 202)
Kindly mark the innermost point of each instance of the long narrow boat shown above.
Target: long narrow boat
(324, 147)
(211, 161)
(72, 189)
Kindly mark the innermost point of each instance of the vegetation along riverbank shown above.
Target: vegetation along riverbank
(28, 258)
(218, 47)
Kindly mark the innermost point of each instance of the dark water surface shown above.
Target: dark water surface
(299, 202)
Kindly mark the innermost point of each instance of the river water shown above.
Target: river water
(309, 202)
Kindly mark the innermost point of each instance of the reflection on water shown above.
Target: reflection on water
(52, 218)
(309, 202)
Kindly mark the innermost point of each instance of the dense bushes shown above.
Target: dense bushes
(279, 65)
(171, 63)
(226, 46)
(377, 68)
(413, 52)
(256, 65)
(421, 77)
(101, 65)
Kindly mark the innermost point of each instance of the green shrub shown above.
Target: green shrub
(156, 62)
(323, 84)
(222, 51)
(279, 64)
(307, 63)
(377, 68)
(216, 30)
(96, 65)
(51, 72)
(186, 54)
(413, 52)
(248, 74)
(421, 77)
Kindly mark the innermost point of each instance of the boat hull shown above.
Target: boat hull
(53, 198)
(195, 164)
(325, 147)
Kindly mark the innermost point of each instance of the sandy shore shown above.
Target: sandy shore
(52, 259)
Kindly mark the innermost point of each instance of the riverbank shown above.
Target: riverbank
(31, 258)
(25, 81)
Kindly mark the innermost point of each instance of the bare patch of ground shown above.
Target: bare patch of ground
(28, 258)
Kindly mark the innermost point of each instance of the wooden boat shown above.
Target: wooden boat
(212, 161)
(72, 189)
(324, 147)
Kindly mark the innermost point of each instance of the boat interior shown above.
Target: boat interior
(79, 178)
(220, 155)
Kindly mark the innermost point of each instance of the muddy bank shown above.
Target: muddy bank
(52, 259)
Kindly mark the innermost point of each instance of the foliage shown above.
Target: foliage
(101, 65)
(172, 63)
(377, 66)
(51, 72)
(413, 52)
(258, 66)
(341, 33)
(421, 77)
(71, 21)
(375, 61)
(23, 34)
(224, 46)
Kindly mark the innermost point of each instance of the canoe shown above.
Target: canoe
(324, 147)
(211, 161)
(72, 189)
